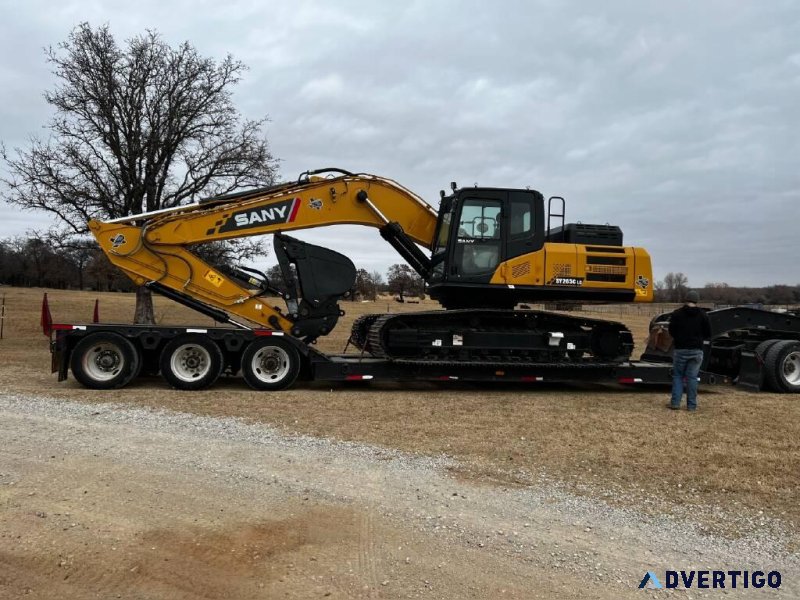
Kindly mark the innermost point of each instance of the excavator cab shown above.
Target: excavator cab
(496, 247)
(479, 229)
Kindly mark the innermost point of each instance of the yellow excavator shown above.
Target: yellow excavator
(486, 251)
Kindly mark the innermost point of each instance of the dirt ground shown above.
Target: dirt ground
(114, 501)
(731, 465)
(80, 525)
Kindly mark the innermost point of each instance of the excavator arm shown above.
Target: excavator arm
(155, 249)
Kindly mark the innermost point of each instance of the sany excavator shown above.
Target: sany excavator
(488, 249)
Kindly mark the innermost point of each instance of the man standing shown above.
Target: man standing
(688, 326)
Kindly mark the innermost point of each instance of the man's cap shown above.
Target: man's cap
(693, 297)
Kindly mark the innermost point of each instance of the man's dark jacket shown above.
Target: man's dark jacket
(689, 326)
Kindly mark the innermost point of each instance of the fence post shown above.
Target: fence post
(2, 316)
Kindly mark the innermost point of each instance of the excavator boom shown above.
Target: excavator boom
(155, 249)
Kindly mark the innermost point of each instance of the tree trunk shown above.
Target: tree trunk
(144, 314)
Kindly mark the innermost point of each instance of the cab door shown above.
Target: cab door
(478, 246)
(524, 224)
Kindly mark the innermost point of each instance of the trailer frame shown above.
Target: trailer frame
(320, 366)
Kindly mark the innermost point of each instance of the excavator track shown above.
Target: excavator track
(499, 338)
(359, 333)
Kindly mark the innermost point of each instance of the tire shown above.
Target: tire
(782, 366)
(104, 361)
(270, 363)
(191, 362)
(763, 348)
(761, 354)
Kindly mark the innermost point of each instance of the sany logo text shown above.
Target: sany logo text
(284, 211)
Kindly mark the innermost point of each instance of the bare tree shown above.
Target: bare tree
(79, 256)
(136, 128)
(676, 285)
(365, 286)
(659, 291)
(720, 292)
(377, 278)
(105, 276)
(779, 294)
(402, 280)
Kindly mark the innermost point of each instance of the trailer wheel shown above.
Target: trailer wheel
(763, 348)
(270, 364)
(782, 366)
(761, 354)
(191, 362)
(104, 361)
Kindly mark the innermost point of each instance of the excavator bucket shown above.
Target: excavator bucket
(323, 277)
(322, 273)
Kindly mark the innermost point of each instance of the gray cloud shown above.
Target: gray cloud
(677, 121)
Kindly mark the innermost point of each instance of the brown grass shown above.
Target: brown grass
(740, 451)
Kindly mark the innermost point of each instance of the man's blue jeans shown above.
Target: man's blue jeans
(685, 366)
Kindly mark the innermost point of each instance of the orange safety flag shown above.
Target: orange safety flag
(96, 314)
(47, 319)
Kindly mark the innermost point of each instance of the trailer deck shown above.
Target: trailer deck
(360, 367)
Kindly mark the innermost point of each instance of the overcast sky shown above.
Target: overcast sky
(678, 121)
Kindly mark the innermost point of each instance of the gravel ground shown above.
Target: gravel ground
(421, 529)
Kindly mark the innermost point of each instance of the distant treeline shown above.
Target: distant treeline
(674, 286)
(34, 262)
(722, 293)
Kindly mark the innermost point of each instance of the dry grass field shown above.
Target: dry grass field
(740, 451)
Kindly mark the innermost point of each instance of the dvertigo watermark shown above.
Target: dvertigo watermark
(711, 580)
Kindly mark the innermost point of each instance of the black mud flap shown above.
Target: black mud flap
(59, 360)
(751, 372)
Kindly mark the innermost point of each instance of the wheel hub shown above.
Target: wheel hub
(103, 361)
(791, 368)
(107, 360)
(192, 362)
(270, 363)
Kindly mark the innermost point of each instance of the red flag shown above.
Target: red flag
(47, 319)
(96, 315)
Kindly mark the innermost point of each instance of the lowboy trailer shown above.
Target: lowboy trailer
(106, 356)
(752, 348)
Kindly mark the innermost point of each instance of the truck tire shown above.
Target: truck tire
(782, 366)
(191, 362)
(763, 348)
(761, 355)
(104, 361)
(270, 363)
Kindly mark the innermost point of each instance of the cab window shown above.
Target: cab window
(520, 218)
(478, 245)
(480, 219)
(444, 233)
